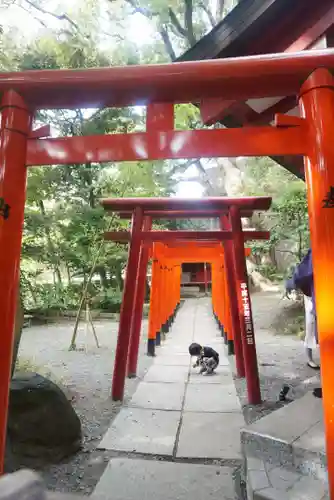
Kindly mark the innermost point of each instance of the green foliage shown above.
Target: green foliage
(188, 224)
(291, 221)
(187, 116)
(263, 177)
(49, 298)
(287, 219)
(64, 222)
(270, 271)
(109, 300)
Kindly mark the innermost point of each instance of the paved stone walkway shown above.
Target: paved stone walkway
(179, 436)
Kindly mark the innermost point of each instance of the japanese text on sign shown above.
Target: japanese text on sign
(247, 314)
(4, 209)
(328, 201)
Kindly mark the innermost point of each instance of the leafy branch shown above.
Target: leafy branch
(39, 8)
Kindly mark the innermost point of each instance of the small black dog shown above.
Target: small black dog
(207, 358)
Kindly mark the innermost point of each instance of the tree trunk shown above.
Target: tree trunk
(119, 279)
(68, 271)
(103, 278)
(51, 248)
(32, 292)
(272, 255)
(19, 319)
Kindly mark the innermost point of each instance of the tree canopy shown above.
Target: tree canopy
(63, 219)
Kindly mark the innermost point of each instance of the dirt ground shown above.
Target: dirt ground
(281, 357)
(86, 375)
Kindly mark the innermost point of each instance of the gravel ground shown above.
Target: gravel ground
(86, 376)
(281, 358)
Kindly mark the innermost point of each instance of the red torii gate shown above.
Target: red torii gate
(230, 211)
(307, 75)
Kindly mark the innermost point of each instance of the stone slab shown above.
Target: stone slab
(172, 347)
(142, 431)
(212, 398)
(210, 435)
(221, 376)
(22, 485)
(146, 480)
(291, 421)
(160, 373)
(308, 487)
(267, 482)
(313, 439)
(211, 337)
(158, 396)
(172, 359)
(304, 489)
(282, 479)
(272, 451)
(309, 454)
(258, 479)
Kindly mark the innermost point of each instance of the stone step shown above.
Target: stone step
(134, 479)
(292, 437)
(266, 481)
(285, 453)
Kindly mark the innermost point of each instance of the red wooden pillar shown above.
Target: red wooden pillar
(160, 304)
(125, 320)
(14, 131)
(179, 276)
(165, 301)
(138, 304)
(245, 309)
(227, 320)
(168, 296)
(173, 290)
(213, 286)
(234, 307)
(154, 297)
(177, 285)
(222, 301)
(172, 294)
(205, 278)
(173, 281)
(214, 266)
(317, 105)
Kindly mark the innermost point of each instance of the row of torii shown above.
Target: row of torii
(223, 249)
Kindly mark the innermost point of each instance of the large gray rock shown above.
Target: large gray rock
(42, 423)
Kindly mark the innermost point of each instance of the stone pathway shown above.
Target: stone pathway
(179, 435)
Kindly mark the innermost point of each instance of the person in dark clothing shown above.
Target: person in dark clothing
(207, 358)
(302, 279)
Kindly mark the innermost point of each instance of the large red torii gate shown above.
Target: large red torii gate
(307, 75)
